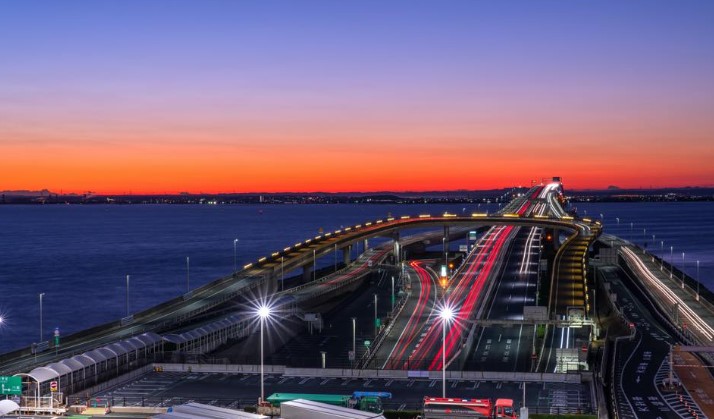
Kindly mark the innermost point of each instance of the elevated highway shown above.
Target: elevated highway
(261, 279)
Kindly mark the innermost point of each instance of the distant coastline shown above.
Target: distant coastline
(436, 197)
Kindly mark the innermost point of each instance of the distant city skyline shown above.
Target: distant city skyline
(299, 96)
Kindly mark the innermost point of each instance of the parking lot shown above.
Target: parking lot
(240, 390)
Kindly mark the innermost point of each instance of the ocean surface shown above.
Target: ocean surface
(79, 256)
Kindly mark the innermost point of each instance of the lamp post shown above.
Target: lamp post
(188, 275)
(697, 280)
(313, 264)
(235, 255)
(127, 295)
(282, 273)
(632, 227)
(682, 270)
(354, 332)
(335, 267)
(446, 315)
(671, 260)
(42, 294)
(375, 315)
(661, 260)
(263, 314)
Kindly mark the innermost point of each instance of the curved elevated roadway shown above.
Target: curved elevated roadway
(260, 278)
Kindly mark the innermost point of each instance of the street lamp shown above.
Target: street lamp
(671, 260)
(354, 332)
(235, 255)
(188, 275)
(682, 270)
(263, 314)
(632, 226)
(376, 329)
(697, 280)
(42, 294)
(314, 266)
(446, 315)
(127, 295)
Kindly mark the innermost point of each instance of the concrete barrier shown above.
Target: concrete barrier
(375, 373)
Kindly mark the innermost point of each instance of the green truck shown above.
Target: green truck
(368, 401)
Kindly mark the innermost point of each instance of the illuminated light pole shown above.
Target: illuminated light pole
(661, 260)
(671, 260)
(282, 273)
(632, 227)
(376, 329)
(235, 255)
(263, 314)
(682, 270)
(313, 265)
(697, 280)
(335, 267)
(127, 295)
(354, 333)
(42, 294)
(188, 275)
(446, 314)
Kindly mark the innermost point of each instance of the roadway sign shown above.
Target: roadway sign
(472, 235)
(10, 385)
(463, 248)
(53, 385)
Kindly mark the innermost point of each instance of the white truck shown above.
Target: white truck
(306, 409)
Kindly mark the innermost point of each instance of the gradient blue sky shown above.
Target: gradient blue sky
(167, 96)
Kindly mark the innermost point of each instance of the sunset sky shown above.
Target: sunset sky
(266, 96)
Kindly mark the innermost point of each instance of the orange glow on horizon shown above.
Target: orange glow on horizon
(200, 166)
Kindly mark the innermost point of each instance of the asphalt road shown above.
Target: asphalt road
(509, 348)
(641, 362)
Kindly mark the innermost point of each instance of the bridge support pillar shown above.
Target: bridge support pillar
(307, 272)
(397, 247)
(347, 254)
(272, 282)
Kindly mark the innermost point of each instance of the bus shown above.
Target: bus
(448, 408)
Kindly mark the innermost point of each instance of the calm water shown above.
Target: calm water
(79, 256)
